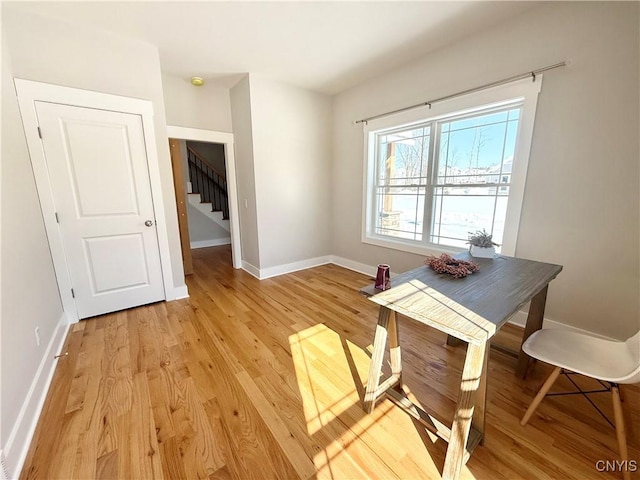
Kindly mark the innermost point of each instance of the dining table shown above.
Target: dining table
(469, 310)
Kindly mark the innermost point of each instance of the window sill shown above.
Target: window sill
(426, 249)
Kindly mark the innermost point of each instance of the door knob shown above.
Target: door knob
(149, 223)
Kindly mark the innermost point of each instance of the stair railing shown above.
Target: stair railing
(209, 183)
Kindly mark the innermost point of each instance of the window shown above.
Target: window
(434, 175)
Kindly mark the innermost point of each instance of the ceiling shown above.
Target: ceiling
(323, 46)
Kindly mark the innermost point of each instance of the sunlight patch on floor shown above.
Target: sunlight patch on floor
(331, 372)
(324, 376)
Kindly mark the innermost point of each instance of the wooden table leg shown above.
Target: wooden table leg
(375, 369)
(534, 323)
(394, 349)
(471, 375)
(479, 412)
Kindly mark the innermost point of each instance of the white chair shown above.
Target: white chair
(610, 362)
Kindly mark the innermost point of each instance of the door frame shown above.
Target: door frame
(179, 188)
(211, 136)
(28, 93)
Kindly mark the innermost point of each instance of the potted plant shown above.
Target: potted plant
(482, 244)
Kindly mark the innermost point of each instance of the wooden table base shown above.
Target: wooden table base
(467, 430)
(534, 323)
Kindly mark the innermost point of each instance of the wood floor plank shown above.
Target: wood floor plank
(125, 440)
(64, 452)
(250, 379)
(172, 459)
(302, 464)
(252, 446)
(203, 444)
(221, 474)
(143, 449)
(106, 467)
(91, 417)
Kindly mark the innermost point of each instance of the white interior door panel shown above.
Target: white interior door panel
(97, 166)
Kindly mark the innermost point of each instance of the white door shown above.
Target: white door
(97, 165)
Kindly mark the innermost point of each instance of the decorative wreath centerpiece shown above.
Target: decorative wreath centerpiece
(454, 267)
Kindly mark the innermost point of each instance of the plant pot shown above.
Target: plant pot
(482, 252)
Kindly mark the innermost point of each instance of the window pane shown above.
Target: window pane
(462, 210)
(477, 144)
(475, 159)
(403, 157)
(400, 212)
(402, 169)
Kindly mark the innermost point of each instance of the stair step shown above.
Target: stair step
(206, 208)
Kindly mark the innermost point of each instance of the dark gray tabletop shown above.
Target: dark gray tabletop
(471, 308)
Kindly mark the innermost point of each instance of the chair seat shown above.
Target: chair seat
(607, 360)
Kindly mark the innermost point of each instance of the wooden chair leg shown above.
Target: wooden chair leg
(541, 393)
(620, 433)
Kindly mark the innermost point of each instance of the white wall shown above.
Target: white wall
(243, 137)
(292, 162)
(581, 205)
(205, 231)
(52, 51)
(207, 107)
(29, 291)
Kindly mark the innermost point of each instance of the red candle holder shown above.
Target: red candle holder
(383, 279)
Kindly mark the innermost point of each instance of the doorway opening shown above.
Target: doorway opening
(206, 191)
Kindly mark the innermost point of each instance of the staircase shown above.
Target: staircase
(207, 190)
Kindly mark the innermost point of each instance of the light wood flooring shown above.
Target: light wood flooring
(253, 379)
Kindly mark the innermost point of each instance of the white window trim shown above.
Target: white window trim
(525, 89)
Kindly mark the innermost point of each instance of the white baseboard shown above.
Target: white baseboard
(357, 266)
(293, 267)
(254, 271)
(17, 446)
(520, 319)
(269, 272)
(216, 242)
(353, 265)
(177, 293)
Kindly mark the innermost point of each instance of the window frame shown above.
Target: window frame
(525, 91)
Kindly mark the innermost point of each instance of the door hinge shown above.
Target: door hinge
(57, 218)
(73, 294)
(39, 132)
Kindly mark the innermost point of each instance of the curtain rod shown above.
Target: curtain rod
(532, 74)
